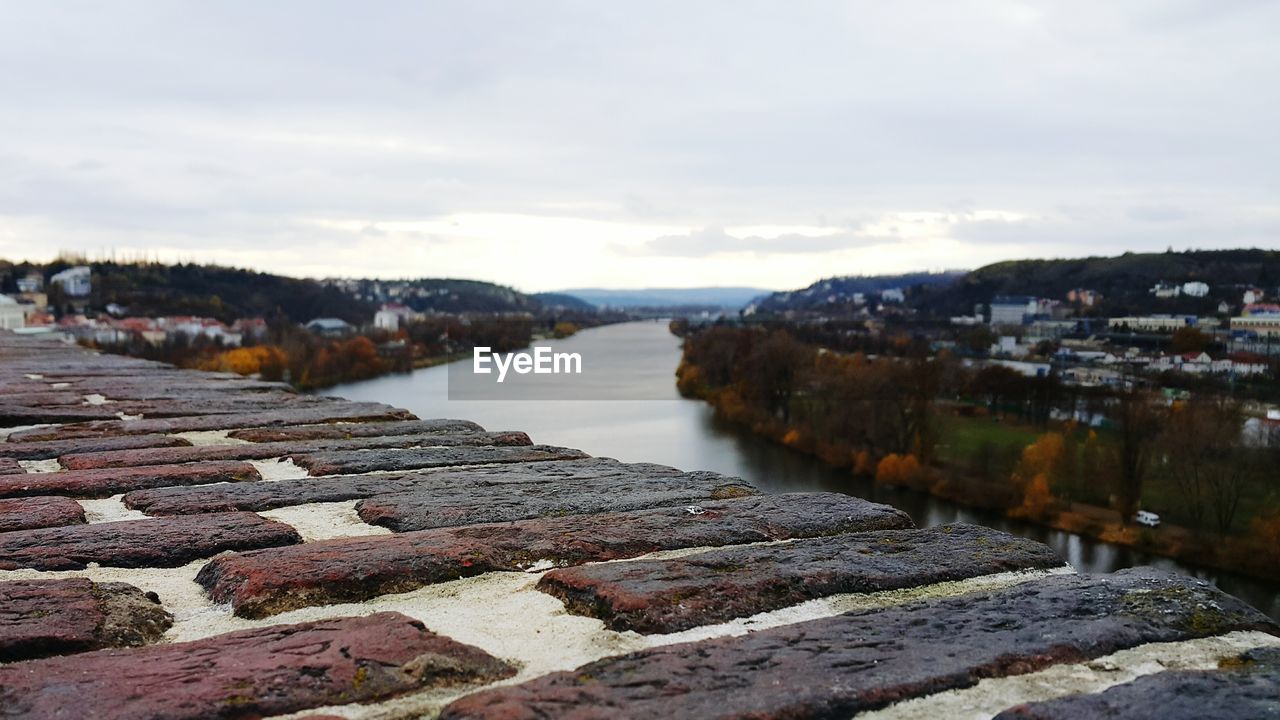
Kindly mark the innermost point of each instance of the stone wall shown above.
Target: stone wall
(193, 545)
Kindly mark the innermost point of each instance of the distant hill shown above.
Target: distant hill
(838, 293)
(731, 298)
(1125, 281)
(443, 295)
(554, 300)
(152, 289)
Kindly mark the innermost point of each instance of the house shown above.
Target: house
(894, 295)
(1254, 295)
(1262, 325)
(330, 327)
(1008, 346)
(1153, 323)
(32, 283)
(1166, 290)
(76, 282)
(12, 315)
(1012, 310)
(386, 320)
(1195, 289)
(1084, 297)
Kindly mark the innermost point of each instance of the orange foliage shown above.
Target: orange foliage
(1040, 466)
(267, 360)
(862, 464)
(895, 469)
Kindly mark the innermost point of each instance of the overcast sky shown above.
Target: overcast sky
(627, 144)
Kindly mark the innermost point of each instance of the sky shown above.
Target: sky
(626, 144)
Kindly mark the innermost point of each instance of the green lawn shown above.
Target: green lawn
(962, 436)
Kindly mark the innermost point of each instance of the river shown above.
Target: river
(686, 434)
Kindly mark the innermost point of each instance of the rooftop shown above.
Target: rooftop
(190, 545)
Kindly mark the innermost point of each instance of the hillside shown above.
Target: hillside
(836, 293)
(729, 298)
(149, 289)
(441, 295)
(1124, 281)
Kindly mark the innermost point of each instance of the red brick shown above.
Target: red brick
(48, 449)
(351, 430)
(663, 596)
(338, 411)
(39, 512)
(248, 674)
(111, 481)
(837, 667)
(55, 617)
(352, 569)
(341, 462)
(160, 542)
(262, 451)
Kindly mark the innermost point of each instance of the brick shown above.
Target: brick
(1245, 687)
(324, 413)
(839, 666)
(663, 596)
(250, 673)
(350, 430)
(262, 451)
(9, 466)
(56, 617)
(424, 508)
(48, 449)
(39, 512)
(264, 496)
(107, 482)
(161, 542)
(353, 569)
(483, 484)
(349, 463)
(14, 415)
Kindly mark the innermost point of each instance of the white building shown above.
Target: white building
(75, 282)
(1012, 310)
(1265, 326)
(1153, 323)
(12, 315)
(1254, 295)
(1195, 289)
(893, 295)
(386, 320)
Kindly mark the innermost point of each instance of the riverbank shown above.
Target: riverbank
(1244, 555)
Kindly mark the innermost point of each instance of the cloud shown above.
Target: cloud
(711, 241)
(796, 142)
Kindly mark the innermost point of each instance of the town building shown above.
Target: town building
(1254, 295)
(1084, 297)
(12, 314)
(330, 327)
(1012, 310)
(1155, 323)
(33, 282)
(1195, 289)
(76, 282)
(1262, 325)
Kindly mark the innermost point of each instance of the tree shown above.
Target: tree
(1205, 458)
(1189, 340)
(1139, 427)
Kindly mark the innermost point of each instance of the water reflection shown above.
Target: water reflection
(686, 434)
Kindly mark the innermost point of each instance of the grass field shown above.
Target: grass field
(962, 436)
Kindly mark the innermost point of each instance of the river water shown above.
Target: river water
(671, 430)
